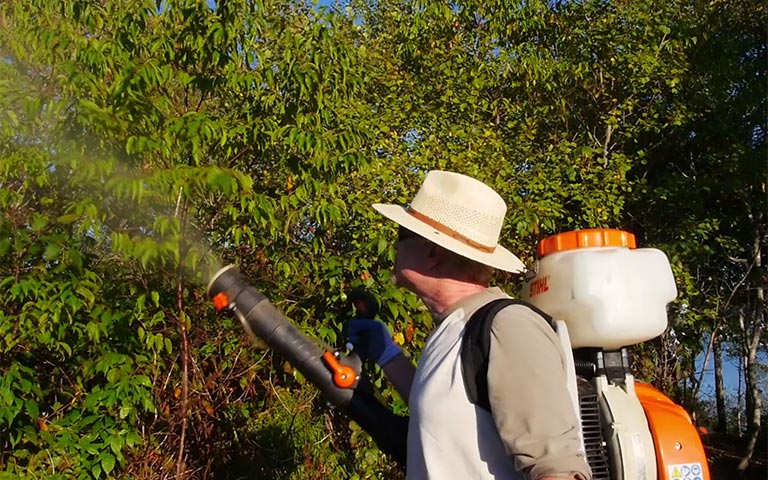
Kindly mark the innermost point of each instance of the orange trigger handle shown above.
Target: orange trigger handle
(344, 376)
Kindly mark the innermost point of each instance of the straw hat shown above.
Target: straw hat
(460, 214)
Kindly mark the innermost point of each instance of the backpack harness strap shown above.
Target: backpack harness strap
(476, 345)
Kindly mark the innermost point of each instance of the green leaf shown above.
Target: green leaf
(68, 218)
(125, 410)
(107, 462)
(39, 222)
(382, 245)
(32, 409)
(116, 443)
(131, 439)
(13, 117)
(143, 380)
(51, 251)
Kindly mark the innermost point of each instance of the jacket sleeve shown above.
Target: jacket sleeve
(529, 398)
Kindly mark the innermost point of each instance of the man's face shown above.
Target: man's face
(409, 259)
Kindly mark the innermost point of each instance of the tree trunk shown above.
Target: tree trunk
(722, 423)
(739, 391)
(696, 383)
(750, 344)
(753, 399)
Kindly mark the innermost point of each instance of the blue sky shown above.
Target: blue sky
(730, 373)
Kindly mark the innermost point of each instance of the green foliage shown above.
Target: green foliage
(144, 144)
(704, 198)
(71, 398)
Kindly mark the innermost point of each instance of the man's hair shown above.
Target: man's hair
(467, 269)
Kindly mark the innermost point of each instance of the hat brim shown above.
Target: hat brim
(500, 258)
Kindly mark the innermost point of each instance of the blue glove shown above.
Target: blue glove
(371, 340)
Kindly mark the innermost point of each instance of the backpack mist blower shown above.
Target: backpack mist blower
(605, 294)
(602, 293)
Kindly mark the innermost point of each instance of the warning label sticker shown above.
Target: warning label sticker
(684, 471)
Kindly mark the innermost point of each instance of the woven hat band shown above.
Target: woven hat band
(449, 231)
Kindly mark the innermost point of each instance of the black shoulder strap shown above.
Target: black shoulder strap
(476, 344)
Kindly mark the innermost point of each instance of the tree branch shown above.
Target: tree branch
(735, 288)
(185, 354)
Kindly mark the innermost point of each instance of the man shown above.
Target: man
(446, 252)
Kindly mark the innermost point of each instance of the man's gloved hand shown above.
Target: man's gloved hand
(371, 340)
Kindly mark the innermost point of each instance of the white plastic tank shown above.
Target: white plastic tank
(609, 293)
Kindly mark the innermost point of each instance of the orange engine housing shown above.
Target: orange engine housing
(679, 451)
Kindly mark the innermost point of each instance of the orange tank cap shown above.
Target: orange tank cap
(593, 237)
